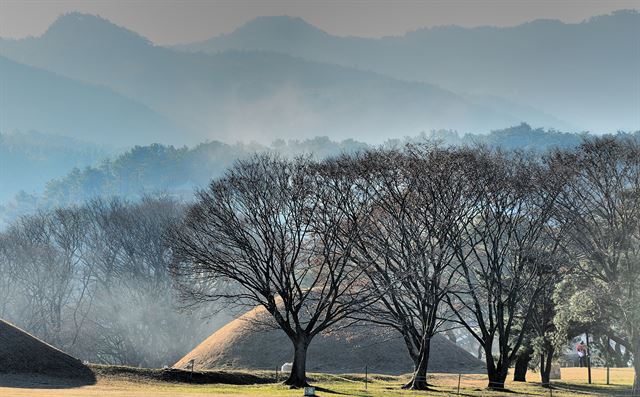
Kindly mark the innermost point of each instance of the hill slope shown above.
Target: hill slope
(36, 99)
(251, 95)
(584, 73)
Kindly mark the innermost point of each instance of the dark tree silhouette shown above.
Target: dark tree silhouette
(271, 232)
(416, 200)
(601, 208)
(501, 273)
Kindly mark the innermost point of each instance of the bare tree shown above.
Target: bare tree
(601, 207)
(500, 273)
(9, 266)
(135, 321)
(417, 200)
(94, 280)
(47, 248)
(270, 233)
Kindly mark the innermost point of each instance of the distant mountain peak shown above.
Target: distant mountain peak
(75, 26)
(278, 26)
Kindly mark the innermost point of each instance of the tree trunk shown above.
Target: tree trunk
(298, 376)
(522, 365)
(545, 368)
(497, 374)
(419, 379)
(496, 378)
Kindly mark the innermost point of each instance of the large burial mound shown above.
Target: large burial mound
(244, 344)
(22, 353)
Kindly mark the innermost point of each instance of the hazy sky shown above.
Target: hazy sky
(180, 21)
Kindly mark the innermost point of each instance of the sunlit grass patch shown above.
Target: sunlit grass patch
(112, 384)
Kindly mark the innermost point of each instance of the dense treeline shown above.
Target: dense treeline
(521, 250)
(177, 171)
(141, 171)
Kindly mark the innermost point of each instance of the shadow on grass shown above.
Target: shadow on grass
(509, 391)
(329, 391)
(182, 376)
(617, 390)
(40, 381)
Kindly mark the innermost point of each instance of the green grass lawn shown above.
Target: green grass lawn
(443, 385)
(114, 385)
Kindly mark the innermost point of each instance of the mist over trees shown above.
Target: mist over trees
(523, 250)
(120, 244)
(29, 160)
(176, 171)
(93, 280)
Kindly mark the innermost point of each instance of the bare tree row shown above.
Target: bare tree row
(521, 252)
(421, 240)
(94, 280)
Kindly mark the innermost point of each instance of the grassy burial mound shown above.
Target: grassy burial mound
(22, 353)
(246, 343)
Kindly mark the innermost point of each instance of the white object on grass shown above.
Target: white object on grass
(555, 371)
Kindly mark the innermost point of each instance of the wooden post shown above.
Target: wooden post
(366, 376)
(588, 357)
(459, 376)
(608, 356)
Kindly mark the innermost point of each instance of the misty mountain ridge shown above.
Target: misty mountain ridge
(68, 25)
(33, 98)
(584, 73)
(208, 96)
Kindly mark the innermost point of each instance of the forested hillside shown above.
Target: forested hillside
(176, 171)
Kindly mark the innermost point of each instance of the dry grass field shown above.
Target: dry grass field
(110, 385)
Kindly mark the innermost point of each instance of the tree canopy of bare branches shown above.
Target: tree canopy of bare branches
(415, 201)
(501, 266)
(601, 207)
(272, 233)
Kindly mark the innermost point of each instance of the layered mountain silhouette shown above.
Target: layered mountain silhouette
(36, 99)
(584, 73)
(250, 94)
